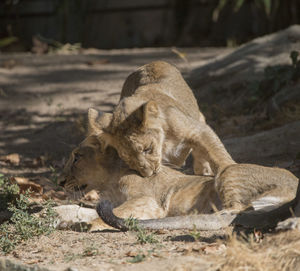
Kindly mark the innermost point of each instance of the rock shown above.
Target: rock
(248, 61)
(74, 215)
(236, 84)
(271, 144)
(12, 265)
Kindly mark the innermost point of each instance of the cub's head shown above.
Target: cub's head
(90, 165)
(136, 135)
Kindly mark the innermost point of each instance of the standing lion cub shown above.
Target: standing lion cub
(157, 121)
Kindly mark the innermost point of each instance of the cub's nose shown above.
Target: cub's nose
(146, 172)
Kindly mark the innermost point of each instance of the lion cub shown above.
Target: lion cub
(157, 121)
(169, 192)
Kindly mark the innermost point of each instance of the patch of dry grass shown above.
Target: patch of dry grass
(279, 251)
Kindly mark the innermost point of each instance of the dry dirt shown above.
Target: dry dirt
(43, 105)
(44, 99)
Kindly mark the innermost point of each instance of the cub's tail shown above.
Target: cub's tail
(262, 219)
(201, 222)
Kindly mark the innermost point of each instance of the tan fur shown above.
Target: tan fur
(169, 192)
(158, 121)
(240, 183)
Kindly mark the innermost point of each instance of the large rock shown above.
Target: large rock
(247, 62)
(236, 83)
(267, 147)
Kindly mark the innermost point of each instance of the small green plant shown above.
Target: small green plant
(8, 192)
(195, 234)
(142, 236)
(23, 225)
(137, 259)
(132, 224)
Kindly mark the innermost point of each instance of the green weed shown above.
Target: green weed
(8, 192)
(24, 225)
(137, 259)
(142, 236)
(195, 234)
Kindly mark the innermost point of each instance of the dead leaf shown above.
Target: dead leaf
(258, 236)
(25, 184)
(92, 195)
(12, 158)
(131, 253)
(213, 248)
(161, 231)
(33, 261)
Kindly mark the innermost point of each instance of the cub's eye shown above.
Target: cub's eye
(77, 157)
(148, 149)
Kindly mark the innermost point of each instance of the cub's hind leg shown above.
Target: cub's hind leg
(240, 184)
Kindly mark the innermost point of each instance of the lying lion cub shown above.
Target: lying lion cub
(261, 219)
(158, 121)
(170, 192)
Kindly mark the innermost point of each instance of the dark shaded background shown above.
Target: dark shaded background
(143, 23)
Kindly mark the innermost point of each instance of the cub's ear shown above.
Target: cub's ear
(150, 112)
(93, 127)
(97, 121)
(104, 121)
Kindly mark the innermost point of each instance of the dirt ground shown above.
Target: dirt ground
(44, 99)
(43, 105)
